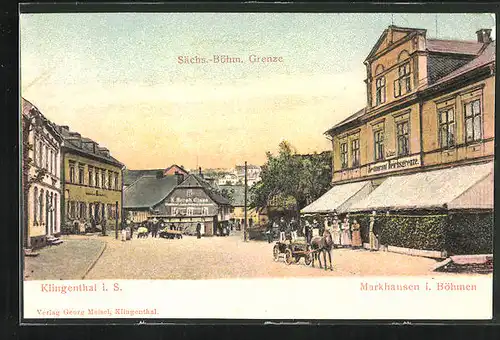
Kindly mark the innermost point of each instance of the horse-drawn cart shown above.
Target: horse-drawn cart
(170, 234)
(293, 251)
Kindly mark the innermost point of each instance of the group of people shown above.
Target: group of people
(155, 226)
(345, 234)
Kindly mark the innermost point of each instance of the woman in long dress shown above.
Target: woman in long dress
(336, 231)
(346, 233)
(356, 235)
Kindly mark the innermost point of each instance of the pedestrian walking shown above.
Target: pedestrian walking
(269, 233)
(346, 233)
(198, 230)
(356, 235)
(293, 228)
(308, 232)
(282, 226)
(373, 234)
(336, 232)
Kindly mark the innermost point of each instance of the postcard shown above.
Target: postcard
(257, 166)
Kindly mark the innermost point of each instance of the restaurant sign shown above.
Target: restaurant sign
(196, 200)
(395, 164)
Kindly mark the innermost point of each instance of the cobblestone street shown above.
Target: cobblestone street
(230, 257)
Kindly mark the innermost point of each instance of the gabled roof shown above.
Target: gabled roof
(349, 119)
(27, 106)
(383, 36)
(130, 176)
(454, 46)
(195, 181)
(178, 166)
(148, 191)
(486, 57)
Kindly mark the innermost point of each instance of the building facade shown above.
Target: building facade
(430, 104)
(43, 195)
(191, 202)
(92, 182)
(424, 142)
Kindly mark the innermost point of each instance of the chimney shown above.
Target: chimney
(484, 35)
(200, 173)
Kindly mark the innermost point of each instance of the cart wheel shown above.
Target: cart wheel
(288, 257)
(308, 259)
(276, 252)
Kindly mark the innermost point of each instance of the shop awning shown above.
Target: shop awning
(339, 198)
(461, 187)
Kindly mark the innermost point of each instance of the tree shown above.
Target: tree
(288, 174)
(227, 193)
(31, 121)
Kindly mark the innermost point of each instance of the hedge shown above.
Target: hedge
(458, 234)
(470, 234)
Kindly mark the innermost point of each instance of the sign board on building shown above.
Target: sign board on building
(189, 200)
(394, 164)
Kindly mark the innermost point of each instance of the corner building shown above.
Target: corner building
(92, 182)
(424, 142)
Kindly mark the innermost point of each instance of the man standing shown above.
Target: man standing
(269, 232)
(282, 226)
(373, 237)
(293, 227)
(198, 230)
(308, 232)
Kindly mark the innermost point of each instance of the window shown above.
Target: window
(190, 211)
(81, 175)
(35, 206)
(402, 85)
(355, 152)
(72, 172)
(116, 181)
(103, 179)
(55, 209)
(205, 211)
(83, 210)
(189, 193)
(378, 137)
(97, 178)
(91, 176)
(380, 91)
(72, 212)
(472, 121)
(55, 163)
(403, 138)
(49, 161)
(39, 154)
(447, 128)
(110, 180)
(46, 159)
(343, 155)
(40, 202)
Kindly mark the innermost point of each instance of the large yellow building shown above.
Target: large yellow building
(424, 142)
(92, 182)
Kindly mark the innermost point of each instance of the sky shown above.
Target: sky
(115, 78)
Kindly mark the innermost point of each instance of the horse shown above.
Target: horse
(322, 244)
